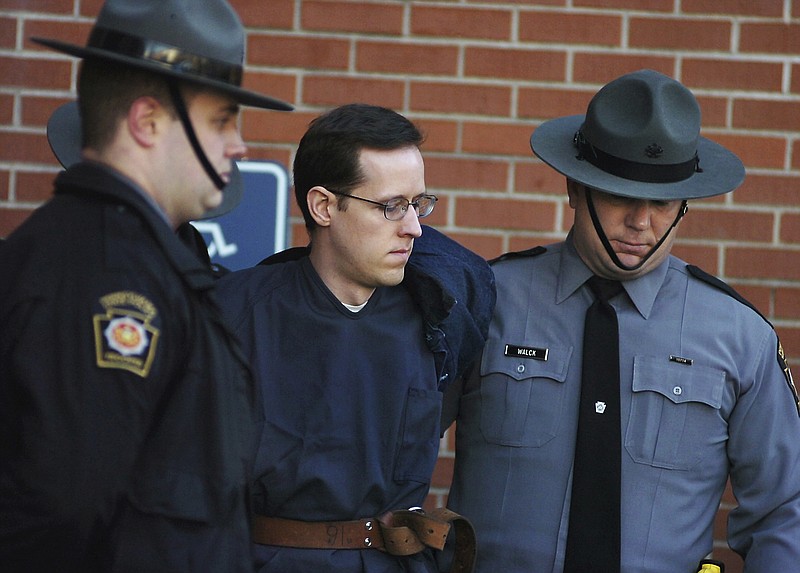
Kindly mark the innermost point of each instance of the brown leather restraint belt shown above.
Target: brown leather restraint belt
(403, 532)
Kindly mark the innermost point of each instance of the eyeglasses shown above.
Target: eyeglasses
(395, 209)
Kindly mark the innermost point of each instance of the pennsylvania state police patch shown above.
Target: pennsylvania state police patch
(124, 336)
(788, 374)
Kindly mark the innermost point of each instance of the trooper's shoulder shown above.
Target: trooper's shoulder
(532, 252)
(710, 279)
(721, 285)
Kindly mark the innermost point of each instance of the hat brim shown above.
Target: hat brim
(722, 171)
(64, 137)
(242, 96)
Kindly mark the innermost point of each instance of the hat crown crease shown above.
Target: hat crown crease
(644, 121)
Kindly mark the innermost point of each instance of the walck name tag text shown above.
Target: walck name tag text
(526, 352)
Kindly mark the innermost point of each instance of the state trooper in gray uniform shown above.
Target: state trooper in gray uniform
(705, 392)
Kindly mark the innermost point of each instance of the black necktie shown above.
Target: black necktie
(593, 541)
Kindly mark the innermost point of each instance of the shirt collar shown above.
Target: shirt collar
(136, 187)
(89, 178)
(573, 272)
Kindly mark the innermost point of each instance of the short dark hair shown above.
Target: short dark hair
(107, 90)
(328, 154)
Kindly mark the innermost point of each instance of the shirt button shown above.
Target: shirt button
(677, 390)
(521, 368)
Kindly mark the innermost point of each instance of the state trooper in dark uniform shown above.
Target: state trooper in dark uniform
(126, 412)
(703, 390)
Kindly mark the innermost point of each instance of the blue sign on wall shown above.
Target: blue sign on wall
(257, 227)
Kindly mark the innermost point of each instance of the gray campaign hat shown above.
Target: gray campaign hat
(64, 137)
(200, 42)
(640, 138)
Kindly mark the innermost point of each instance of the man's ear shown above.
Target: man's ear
(143, 120)
(320, 202)
(575, 192)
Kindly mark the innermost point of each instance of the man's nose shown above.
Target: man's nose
(410, 223)
(638, 216)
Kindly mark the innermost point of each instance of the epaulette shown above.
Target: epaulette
(726, 288)
(532, 252)
(699, 273)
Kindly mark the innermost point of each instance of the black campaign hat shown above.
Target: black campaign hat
(640, 138)
(64, 137)
(200, 42)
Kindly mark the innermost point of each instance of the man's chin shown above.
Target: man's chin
(629, 261)
(213, 201)
(393, 278)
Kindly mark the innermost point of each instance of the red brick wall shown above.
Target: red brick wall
(478, 77)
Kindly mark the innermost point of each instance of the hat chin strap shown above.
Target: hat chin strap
(607, 245)
(183, 114)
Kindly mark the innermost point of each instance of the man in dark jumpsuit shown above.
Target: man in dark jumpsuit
(125, 410)
(351, 344)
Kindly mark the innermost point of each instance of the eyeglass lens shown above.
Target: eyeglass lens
(395, 209)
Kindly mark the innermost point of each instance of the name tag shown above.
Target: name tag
(526, 352)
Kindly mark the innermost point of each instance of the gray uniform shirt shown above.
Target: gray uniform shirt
(703, 396)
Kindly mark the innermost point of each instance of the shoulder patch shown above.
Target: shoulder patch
(788, 375)
(532, 252)
(698, 273)
(124, 337)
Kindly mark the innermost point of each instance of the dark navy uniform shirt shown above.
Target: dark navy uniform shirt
(125, 409)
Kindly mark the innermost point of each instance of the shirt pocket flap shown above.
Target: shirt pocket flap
(521, 395)
(521, 362)
(679, 382)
